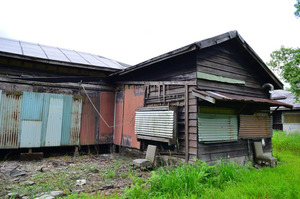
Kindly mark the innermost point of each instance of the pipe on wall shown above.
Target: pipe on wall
(270, 87)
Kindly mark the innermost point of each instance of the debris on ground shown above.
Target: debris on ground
(102, 174)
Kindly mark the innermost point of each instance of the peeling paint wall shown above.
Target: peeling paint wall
(126, 105)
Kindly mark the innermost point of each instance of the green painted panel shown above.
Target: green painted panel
(217, 78)
(217, 127)
(217, 110)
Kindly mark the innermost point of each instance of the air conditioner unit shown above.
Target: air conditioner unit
(157, 124)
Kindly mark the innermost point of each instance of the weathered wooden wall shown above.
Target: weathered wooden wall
(174, 94)
(215, 151)
(230, 61)
(180, 68)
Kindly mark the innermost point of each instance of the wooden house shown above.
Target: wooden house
(207, 100)
(220, 87)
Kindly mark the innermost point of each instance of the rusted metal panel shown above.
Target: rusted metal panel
(211, 96)
(118, 130)
(107, 112)
(217, 127)
(133, 98)
(88, 121)
(75, 121)
(258, 125)
(10, 114)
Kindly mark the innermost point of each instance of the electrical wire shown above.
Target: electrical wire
(101, 115)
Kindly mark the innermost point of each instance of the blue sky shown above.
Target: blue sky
(133, 31)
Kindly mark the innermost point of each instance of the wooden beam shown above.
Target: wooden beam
(159, 82)
(186, 123)
(59, 85)
(206, 98)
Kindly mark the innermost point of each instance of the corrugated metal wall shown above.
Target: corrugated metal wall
(255, 126)
(88, 121)
(10, 109)
(217, 127)
(125, 112)
(107, 101)
(29, 119)
(119, 117)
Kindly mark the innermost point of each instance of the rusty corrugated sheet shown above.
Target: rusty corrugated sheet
(133, 98)
(119, 117)
(255, 126)
(107, 100)
(229, 97)
(75, 121)
(88, 121)
(10, 114)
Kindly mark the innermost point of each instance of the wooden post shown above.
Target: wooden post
(186, 123)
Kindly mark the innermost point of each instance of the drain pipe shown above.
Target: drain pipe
(270, 87)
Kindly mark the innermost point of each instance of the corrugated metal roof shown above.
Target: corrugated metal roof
(285, 97)
(230, 97)
(50, 53)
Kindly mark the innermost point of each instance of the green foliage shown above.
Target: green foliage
(227, 179)
(286, 142)
(187, 181)
(297, 6)
(286, 61)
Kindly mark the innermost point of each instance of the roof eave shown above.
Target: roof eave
(54, 62)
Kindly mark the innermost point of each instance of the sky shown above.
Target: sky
(134, 31)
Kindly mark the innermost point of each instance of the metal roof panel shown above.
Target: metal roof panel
(230, 97)
(52, 54)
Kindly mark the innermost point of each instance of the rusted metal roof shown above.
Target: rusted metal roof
(211, 96)
(43, 53)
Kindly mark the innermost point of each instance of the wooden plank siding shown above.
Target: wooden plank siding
(216, 151)
(176, 93)
(228, 62)
(180, 68)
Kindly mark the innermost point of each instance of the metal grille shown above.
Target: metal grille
(156, 123)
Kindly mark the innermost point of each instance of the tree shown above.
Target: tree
(297, 6)
(286, 61)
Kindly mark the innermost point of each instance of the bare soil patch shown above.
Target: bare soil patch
(104, 174)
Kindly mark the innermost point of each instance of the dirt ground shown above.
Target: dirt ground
(105, 174)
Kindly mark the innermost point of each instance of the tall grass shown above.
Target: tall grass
(286, 142)
(227, 179)
(187, 181)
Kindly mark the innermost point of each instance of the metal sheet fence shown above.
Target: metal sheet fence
(29, 119)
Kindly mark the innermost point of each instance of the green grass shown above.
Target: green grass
(228, 180)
